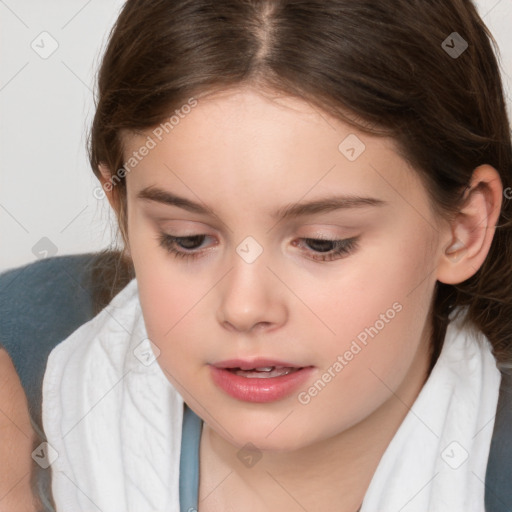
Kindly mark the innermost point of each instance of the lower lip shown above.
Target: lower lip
(265, 389)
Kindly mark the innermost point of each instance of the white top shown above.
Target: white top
(113, 423)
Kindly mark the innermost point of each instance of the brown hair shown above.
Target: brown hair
(379, 66)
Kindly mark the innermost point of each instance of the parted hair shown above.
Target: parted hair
(385, 67)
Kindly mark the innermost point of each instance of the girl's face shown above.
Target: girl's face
(258, 187)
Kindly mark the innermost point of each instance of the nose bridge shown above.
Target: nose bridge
(250, 295)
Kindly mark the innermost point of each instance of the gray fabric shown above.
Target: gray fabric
(40, 305)
(498, 478)
(189, 460)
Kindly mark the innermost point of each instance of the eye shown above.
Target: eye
(329, 250)
(320, 248)
(189, 243)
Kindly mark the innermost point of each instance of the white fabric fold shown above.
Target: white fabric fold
(112, 416)
(115, 421)
(437, 460)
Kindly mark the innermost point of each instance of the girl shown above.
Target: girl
(313, 199)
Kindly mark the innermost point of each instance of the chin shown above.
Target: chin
(267, 432)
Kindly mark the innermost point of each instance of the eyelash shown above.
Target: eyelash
(341, 247)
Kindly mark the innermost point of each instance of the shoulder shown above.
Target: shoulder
(16, 441)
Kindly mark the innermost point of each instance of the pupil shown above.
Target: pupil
(190, 242)
(319, 245)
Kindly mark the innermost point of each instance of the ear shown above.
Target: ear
(471, 232)
(107, 185)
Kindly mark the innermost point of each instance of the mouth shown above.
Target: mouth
(259, 380)
(264, 372)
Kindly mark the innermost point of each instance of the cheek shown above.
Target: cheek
(393, 270)
(167, 304)
(379, 337)
(166, 296)
(168, 308)
(378, 309)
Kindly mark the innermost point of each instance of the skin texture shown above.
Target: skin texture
(245, 154)
(16, 437)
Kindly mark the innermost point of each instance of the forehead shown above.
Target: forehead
(245, 141)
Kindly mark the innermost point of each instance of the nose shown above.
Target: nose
(251, 298)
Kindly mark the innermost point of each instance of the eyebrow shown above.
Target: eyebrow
(322, 205)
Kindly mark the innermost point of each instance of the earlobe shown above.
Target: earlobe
(472, 230)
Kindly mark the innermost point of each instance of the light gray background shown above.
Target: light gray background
(46, 106)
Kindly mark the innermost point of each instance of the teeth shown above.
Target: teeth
(264, 372)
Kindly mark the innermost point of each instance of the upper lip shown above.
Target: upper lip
(259, 362)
